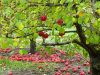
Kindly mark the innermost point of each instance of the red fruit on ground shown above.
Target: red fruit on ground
(68, 73)
(74, 69)
(62, 60)
(84, 64)
(66, 63)
(58, 73)
(89, 72)
(65, 68)
(69, 66)
(43, 18)
(79, 67)
(82, 73)
(10, 73)
(8, 48)
(40, 67)
(78, 59)
(59, 21)
(62, 52)
(72, 60)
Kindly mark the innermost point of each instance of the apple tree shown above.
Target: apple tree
(30, 18)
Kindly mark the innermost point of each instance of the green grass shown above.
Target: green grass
(22, 65)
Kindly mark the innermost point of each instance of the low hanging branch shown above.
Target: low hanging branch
(62, 43)
(73, 31)
(54, 44)
(24, 36)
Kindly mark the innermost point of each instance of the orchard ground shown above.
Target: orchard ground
(42, 62)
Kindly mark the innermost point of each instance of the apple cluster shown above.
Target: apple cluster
(43, 34)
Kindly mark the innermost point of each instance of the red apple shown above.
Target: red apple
(43, 18)
(89, 72)
(45, 35)
(68, 73)
(79, 67)
(41, 33)
(74, 69)
(59, 21)
(66, 63)
(82, 73)
(10, 73)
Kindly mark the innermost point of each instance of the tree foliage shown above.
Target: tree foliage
(21, 19)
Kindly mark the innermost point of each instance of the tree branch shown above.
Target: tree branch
(62, 43)
(20, 36)
(32, 34)
(80, 33)
(54, 44)
(88, 48)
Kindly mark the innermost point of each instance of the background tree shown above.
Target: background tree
(22, 19)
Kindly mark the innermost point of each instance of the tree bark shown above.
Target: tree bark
(94, 59)
(95, 65)
(32, 46)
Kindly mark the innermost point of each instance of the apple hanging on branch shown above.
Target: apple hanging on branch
(60, 22)
(43, 34)
(61, 32)
(43, 18)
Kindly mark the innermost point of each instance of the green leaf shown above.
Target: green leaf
(17, 15)
(80, 20)
(58, 27)
(97, 4)
(20, 26)
(35, 35)
(85, 54)
(10, 41)
(57, 39)
(22, 52)
(62, 30)
(6, 2)
(15, 44)
(86, 20)
(69, 1)
(95, 39)
(62, 1)
(53, 31)
(5, 45)
(69, 24)
(8, 11)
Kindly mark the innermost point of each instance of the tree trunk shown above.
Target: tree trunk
(95, 65)
(32, 46)
(94, 53)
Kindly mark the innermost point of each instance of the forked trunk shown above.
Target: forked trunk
(32, 46)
